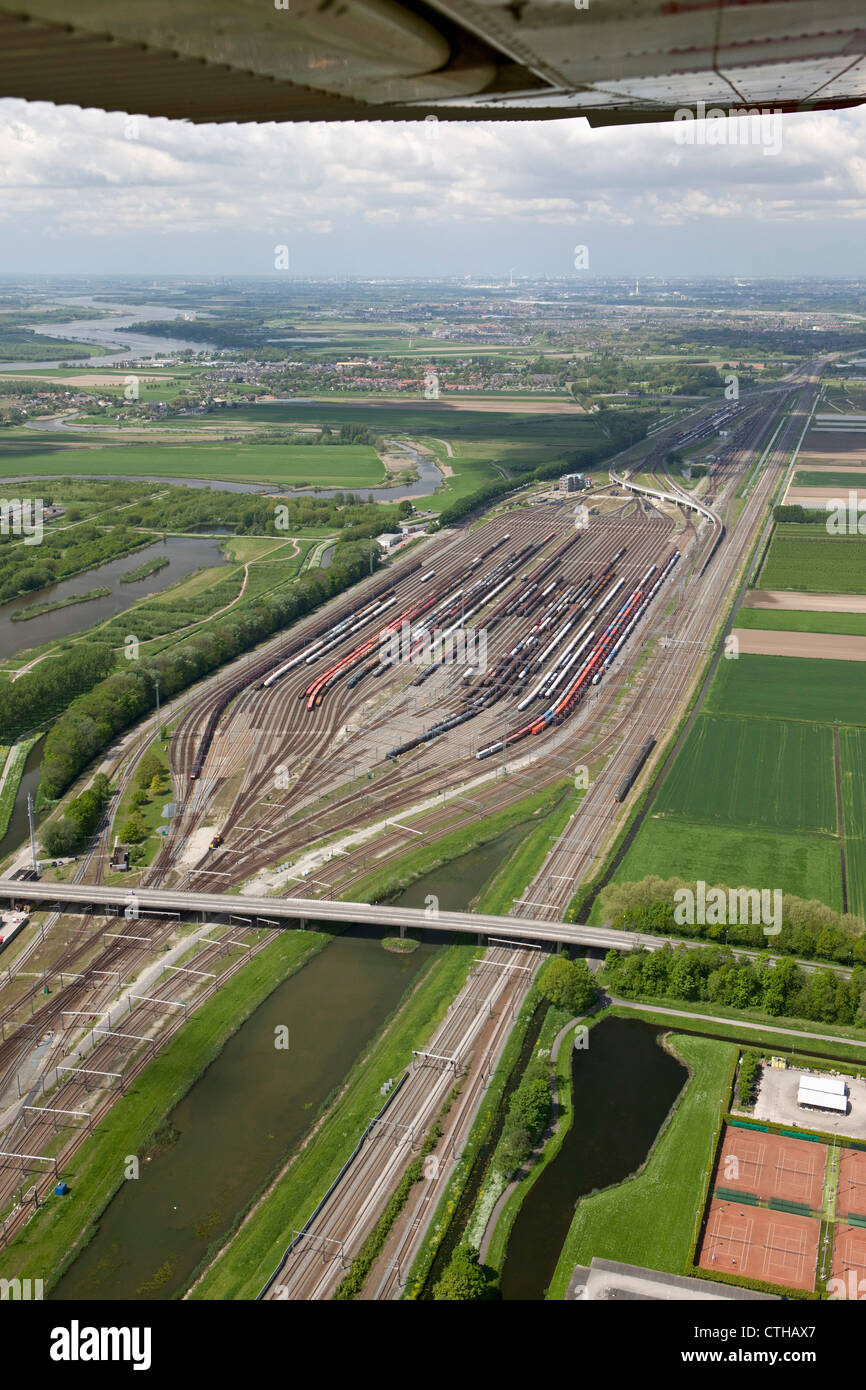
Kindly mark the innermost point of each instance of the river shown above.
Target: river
(430, 475)
(186, 554)
(102, 331)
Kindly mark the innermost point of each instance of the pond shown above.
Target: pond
(623, 1085)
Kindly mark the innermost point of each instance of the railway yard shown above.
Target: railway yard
(487, 663)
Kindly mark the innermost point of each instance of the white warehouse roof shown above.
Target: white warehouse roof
(821, 1100)
(832, 1085)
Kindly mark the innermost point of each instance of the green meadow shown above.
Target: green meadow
(801, 620)
(784, 687)
(349, 466)
(754, 772)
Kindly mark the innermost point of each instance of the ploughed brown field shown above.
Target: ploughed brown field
(809, 496)
(810, 603)
(829, 646)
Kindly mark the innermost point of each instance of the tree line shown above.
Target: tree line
(715, 975)
(810, 929)
(79, 820)
(49, 687)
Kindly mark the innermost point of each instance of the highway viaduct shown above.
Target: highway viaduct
(276, 912)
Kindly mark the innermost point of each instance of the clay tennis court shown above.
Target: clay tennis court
(758, 1243)
(849, 1259)
(851, 1196)
(770, 1165)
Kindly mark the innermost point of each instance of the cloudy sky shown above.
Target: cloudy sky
(88, 192)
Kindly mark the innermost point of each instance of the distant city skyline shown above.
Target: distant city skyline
(88, 193)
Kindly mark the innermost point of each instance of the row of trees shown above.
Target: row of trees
(717, 976)
(750, 1066)
(93, 720)
(79, 820)
(51, 685)
(795, 512)
(810, 929)
(527, 1115)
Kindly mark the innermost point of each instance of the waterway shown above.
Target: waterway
(17, 829)
(241, 1120)
(245, 1115)
(458, 884)
(122, 347)
(623, 1072)
(186, 555)
(430, 475)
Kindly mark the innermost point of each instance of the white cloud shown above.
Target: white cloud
(71, 172)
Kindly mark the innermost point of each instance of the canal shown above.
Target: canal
(241, 1120)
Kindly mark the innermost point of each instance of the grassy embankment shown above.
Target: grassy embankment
(648, 1220)
(12, 762)
(753, 1029)
(23, 615)
(391, 878)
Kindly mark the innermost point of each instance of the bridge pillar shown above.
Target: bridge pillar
(481, 938)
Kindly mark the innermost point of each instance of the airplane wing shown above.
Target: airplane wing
(612, 61)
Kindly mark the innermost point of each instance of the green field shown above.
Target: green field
(760, 772)
(815, 562)
(852, 752)
(807, 866)
(800, 620)
(805, 477)
(347, 466)
(786, 687)
(649, 1219)
(855, 874)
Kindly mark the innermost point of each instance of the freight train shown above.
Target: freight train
(630, 777)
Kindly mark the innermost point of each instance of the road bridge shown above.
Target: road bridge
(143, 902)
(273, 912)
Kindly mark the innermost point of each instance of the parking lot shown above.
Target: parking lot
(777, 1101)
